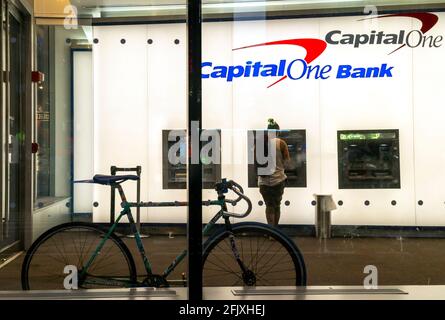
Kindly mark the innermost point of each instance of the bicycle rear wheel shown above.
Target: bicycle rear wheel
(73, 244)
(271, 258)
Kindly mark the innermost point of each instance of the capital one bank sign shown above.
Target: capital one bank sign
(306, 68)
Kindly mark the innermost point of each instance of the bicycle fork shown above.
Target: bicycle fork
(248, 276)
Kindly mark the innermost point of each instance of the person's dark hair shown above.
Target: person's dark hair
(272, 125)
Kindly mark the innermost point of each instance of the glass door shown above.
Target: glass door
(12, 217)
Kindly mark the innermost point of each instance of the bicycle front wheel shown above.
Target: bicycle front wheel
(67, 248)
(269, 258)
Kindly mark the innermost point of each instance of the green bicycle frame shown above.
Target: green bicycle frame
(127, 212)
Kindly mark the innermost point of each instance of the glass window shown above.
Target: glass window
(43, 117)
(354, 95)
(54, 114)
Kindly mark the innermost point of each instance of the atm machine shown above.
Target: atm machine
(368, 159)
(175, 175)
(296, 169)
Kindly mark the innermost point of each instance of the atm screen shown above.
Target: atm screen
(295, 168)
(369, 159)
(175, 172)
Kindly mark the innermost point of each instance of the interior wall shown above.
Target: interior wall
(121, 135)
(140, 90)
(83, 131)
(374, 103)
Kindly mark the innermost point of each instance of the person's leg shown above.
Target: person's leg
(265, 192)
(278, 198)
(270, 215)
(277, 215)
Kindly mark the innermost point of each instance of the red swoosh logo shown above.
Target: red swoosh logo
(427, 19)
(314, 48)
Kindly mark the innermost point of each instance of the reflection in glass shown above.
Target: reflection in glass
(43, 123)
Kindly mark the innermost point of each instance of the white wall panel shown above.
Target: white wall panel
(367, 104)
(83, 127)
(429, 129)
(140, 90)
(217, 101)
(167, 103)
(120, 108)
(293, 104)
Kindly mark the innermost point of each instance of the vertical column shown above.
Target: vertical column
(26, 224)
(2, 121)
(7, 121)
(194, 114)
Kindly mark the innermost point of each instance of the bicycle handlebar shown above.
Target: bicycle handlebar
(223, 188)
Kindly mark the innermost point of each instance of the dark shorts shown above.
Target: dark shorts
(272, 195)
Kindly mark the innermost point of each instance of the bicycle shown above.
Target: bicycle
(246, 254)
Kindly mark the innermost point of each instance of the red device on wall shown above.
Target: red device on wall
(37, 77)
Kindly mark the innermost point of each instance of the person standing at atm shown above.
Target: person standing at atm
(272, 184)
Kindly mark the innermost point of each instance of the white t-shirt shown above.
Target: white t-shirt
(278, 175)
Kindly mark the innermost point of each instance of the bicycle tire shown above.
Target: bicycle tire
(266, 235)
(58, 231)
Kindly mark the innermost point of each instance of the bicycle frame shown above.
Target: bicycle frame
(127, 212)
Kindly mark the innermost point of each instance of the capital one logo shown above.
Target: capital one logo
(302, 69)
(282, 69)
(297, 69)
(411, 38)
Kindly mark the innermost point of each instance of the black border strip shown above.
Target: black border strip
(194, 176)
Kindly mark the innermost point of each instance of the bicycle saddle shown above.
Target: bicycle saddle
(108, 180)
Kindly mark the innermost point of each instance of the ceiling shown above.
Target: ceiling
(129, 8)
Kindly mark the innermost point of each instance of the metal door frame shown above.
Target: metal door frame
(22, 13)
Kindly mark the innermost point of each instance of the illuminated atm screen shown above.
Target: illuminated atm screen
(295, 169)
(368, 159)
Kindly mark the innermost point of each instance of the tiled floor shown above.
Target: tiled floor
(335, 261)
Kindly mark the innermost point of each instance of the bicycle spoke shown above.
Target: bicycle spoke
(270, 268)
(265, 252)
(71, 245)
(257, 252)
(62, 255)
(82, 247)
(231, 270)
(102, 259)
(272, 263)
(270, 259)
(236, 283)
(234, 272)
(58, 260)
(230, 253)
(266, 281)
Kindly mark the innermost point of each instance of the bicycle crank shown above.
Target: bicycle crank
(155, 281)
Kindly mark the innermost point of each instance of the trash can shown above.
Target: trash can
(324, 205)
